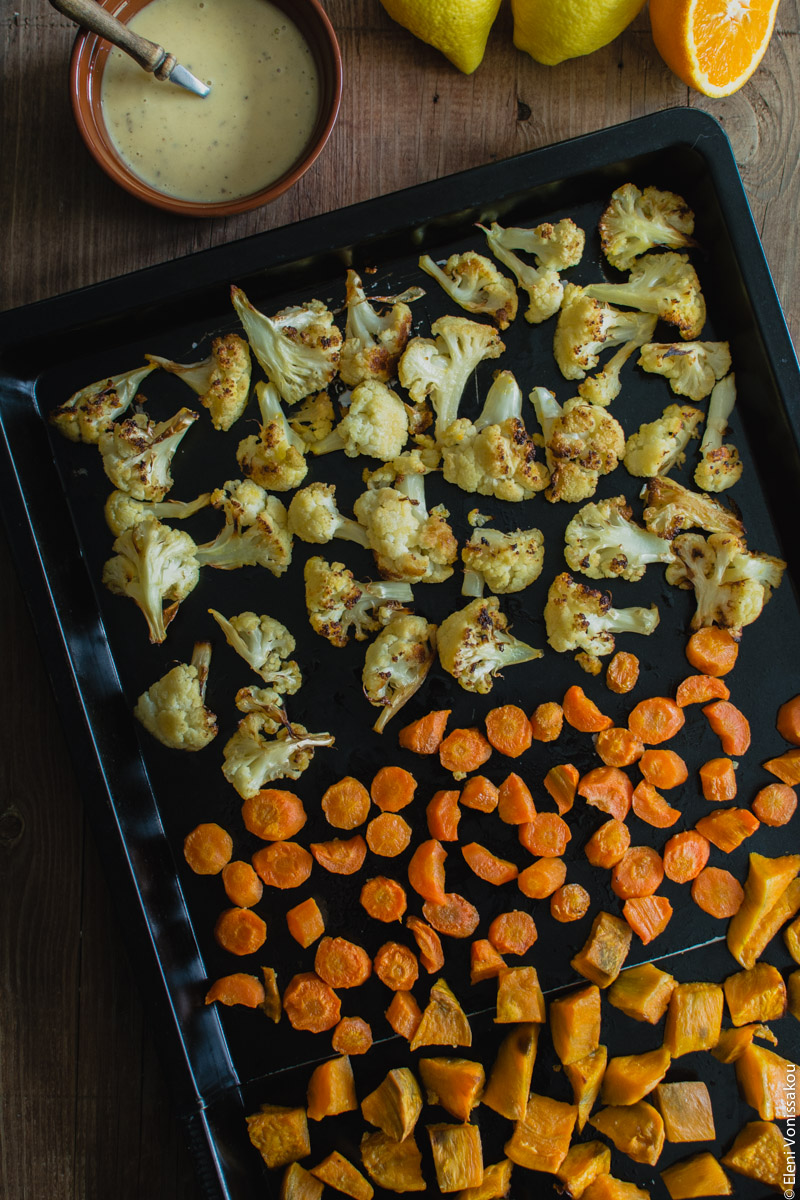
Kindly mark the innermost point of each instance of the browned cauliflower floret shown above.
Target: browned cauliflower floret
(670, 508)
(606, 385)
(692, 368)
(586, 326)
(558, 246)
(474, 645)
(505, 562)
(665, 284)
(439, 367)
(222, 381)
(731, 583)
(90, 411)
(408, 542)
(635, 222)
(173, 709)
(298, 348)
(254, 758)
(720, 466)
(314, 517)
(375, 423)
(153, 563)
(580, 618)
(660, 445)
(373, 344)
(396, 664)
(313, 418)
(123, 512)
(256, 531)
(582, 442)
(554, 248)
(274, 458)
(265, 645)
(137, 453)
(475, 283)
(604, 542)
(339, 605)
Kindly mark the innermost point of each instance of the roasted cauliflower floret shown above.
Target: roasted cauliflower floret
(314, 517)
(396, 664)
(505, 562)
(660, 445)
(692, 368)
(274, 458)
(582, 442)
(298, 348)
(670, 508)
(635, 222)
(554, 247)
(665, 284)
(606, 385)
(91, 410)
(123, 512)
(254, 758)
(153, 563)
(408, 542)
(375, 423)
(474, 645)
(222, 381)
(475, 283)
(174, 710)
(256, 531)
(313, 419)
(372, 343)
(720, 466)
(579, 618)
(731, 583)
(604, 542)
(265, 645)
(439, 367)
(586, 326)
(137, 453)
(339, 605)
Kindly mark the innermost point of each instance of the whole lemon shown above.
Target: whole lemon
(459, 28)
(553, 30)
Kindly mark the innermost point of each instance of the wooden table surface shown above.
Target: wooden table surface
(84, 1106)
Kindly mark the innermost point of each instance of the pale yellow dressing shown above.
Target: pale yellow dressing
(247, 133)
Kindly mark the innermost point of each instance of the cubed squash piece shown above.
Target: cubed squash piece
(510, 1078)
(395, 1104)
(694, 1018)
(791, 935)
(455, 1083)
(733, 1041)
(686, 1111)
(767, 880)
(584, 1162)
(444, 1022)
(585, 1077)
(758, 994)
(575, 1024)
(495, 1185)
(648, 916)
(342, 1176)
(540, 1140)
(300, 1184)
(603, 956)
(331, 1089)
(793, 988)
(762, 1076)
(404, 1014)
(760, 1152)
(280, 1134)
(519, 996)
(606, 1187)
(484, 961)
(635, 1129)
(629, 1077)
(396, 1166)
(768, 925)
(727, 828)
(700, 1175)
(457, 1156)
(271, 1005)
(642, 992)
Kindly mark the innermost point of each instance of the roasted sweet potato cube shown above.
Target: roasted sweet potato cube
(457, 1156)
(760, 1152)
(342, 1176)
(455, 1083)
(510, 1078)
(443, 1021)
(495, 1185)
(484, 961)
(395, 1104)
(540, 1140)
(635, 1129)
(700, 1175)
(764, 930)
(793, 991)
(300, 1184)
(519, 996)
(791, 935)
(584, 1162)
(331, 1089)
(694, 1018)
(642, 992)
(586, 1076)
(767, 880)
(758, 994)
(396, 1166)
(686, 1112)
(733, 1041)
(575, 1024)
(404, 1014)
(629, 1077)
(271, 1005)
(763, 1079)
(280, 1134)
(603, 956)
(606, 1187)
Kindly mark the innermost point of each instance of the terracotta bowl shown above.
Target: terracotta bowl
(90, 54)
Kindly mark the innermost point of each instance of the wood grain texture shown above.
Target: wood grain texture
(84, 1107)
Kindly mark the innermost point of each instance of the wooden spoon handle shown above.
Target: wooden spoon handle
(91, 16)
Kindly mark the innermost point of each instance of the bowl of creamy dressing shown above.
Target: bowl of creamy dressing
(275, 72)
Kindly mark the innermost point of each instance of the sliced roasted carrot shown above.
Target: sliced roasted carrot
(488, 866)
(310, 1003)
(283, 864)
(541, 878)
(546, 835)
(712, 651)
(514, 801)
(340, 856)
(775, 804)
(424, 736)
(242, 886)
(569, 903)
(346, 803)
(479, 793)
(728, 827)
(388, 835)
(513, 932)
(342, 964)
(485, 962)
(464, 750)
(240, 931)
(274, 815)
(426, 871)
(717, 892)
(443, 814)
(383, 899)
(393, 788)
(429, 944)
(582, 713)
(786, 767)
(609, 789)
(560, 783)
(608, 844)
(788, 722)
(622, 673)
(305, 922)
(547, 721)
(352, 1035)
(404, 1015)
(456, 917)
(208, 848)
(656, 720)
(730, 725)
(651, 807)
(718, 779)
(699, 689)
(618, 747)
(648, 916)
(238, 988)
(685, 855)
(663, 768)
(509, 730)
(638, 873)
(396, 966)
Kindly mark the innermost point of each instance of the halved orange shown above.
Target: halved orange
(714, 46)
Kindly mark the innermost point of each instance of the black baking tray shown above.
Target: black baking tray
(142, 802)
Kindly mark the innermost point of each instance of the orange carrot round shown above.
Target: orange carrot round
(788, 722)
(712, 651)
(717, 892)
(274, 815)
(388, 835)
(488, 866)
(479, 793)
(310, 1003)
(509, 730)
(238, 988)
(685, 855)
(638, 873)
(242, 886)
(443, 815)
(396, 966)
(618, 747)
(569, 903)
(718, 779)
(785, 766)
(426, 871)
(513, 932)
(622, 673)
(582, 713)
(608, 844)
(425, 735)
(656, 720)
(541, 878)
(651, 807)
(341, 856)
(464, 750)
(346, 803)
(775, 804)
(663, 768)
(547, 721)
(342, 964)
(429, 944)
(546, 835)
(283, 864)
(207, 848)
(730, 725)
(393, 788)
(609, 789)
(383, 899)
(560, 783)
(456, 917)
(352, 1035)
(240, 931)
(305, 922)
(514, 801)
(699, 689)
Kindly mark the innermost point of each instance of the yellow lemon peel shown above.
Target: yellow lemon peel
(554, 30)
(458, 28)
